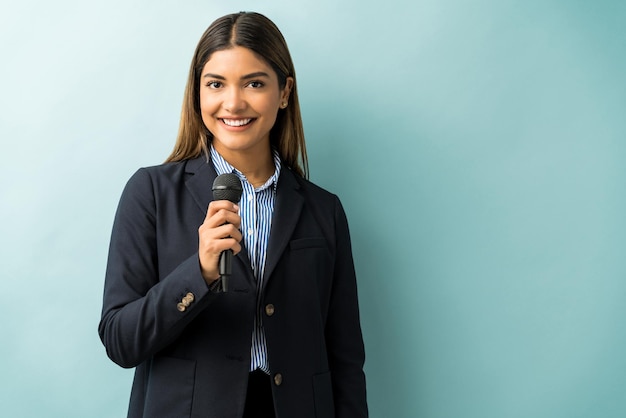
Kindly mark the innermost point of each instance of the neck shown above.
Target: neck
(256, 167)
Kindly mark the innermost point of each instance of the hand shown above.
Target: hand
(218, 232)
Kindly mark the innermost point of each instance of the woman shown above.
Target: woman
(285, 339)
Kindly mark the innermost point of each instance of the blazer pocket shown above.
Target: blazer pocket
(323, 392)
(297, 244)
(170, 388)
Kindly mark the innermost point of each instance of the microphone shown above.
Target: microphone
(226, 187)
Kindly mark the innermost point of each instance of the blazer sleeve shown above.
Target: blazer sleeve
(344, 338)
(140, 312)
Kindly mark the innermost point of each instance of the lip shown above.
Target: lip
(236, 128)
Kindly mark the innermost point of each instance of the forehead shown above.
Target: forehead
(235, 61)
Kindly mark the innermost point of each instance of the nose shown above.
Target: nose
(234, 100)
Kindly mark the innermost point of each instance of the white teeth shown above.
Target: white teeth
(236, 122)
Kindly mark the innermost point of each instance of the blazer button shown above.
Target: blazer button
(278, 379)
(269, 309)
(188, 299)
(181, 307)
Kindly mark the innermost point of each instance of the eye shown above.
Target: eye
(256, 84)
(214, 84)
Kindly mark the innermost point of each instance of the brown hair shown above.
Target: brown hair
(259, 34)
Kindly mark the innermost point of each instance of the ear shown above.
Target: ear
(286, 91)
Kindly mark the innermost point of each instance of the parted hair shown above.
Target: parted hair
(260, 35)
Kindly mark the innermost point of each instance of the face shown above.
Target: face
(239, 100)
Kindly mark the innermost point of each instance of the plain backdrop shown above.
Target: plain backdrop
(478, 148)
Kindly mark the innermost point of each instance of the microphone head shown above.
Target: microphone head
(227, 187)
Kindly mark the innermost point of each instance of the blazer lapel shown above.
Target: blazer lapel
(201, 181)
(200, 187)
(287, 209)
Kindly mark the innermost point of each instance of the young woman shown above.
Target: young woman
(285, 339)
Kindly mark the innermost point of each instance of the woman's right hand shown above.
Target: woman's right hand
(218, 232)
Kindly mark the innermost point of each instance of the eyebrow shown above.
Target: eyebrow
(245, 77)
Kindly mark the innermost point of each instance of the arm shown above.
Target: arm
(140, 313)
(344, 340)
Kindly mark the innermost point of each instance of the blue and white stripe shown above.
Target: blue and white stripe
(255, 208)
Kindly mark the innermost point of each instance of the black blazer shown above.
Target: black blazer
(193, 361)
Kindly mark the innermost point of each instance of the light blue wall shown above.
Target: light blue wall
(478, 147)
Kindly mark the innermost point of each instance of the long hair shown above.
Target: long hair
(260, 35)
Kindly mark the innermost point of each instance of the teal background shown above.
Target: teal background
(477, 146)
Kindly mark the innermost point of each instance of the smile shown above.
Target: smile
(236, 122)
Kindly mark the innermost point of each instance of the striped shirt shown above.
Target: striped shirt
(255, 208)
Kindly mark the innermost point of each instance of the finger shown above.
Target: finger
(222, 212)
(223, 217)
(227, 231)
(207, 234)
(214, 248)
(209, 253)
(218, 205)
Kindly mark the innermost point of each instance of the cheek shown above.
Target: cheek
(269, 107)
(206, 113)
(204, 103)
(207, 108)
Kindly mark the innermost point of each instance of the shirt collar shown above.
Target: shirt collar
(223, 167)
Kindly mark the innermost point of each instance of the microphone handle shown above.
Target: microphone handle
(225, 268)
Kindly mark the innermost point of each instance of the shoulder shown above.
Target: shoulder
(309, 187)
(313, 192)
(161, 171)
(141, 185)
(324, 202)
(162, 175)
